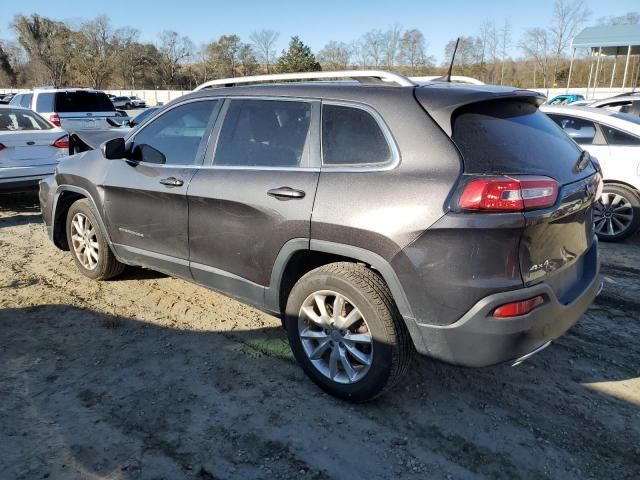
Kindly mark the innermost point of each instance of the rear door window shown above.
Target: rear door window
(351, 136)
(82, 101)
(264, 133)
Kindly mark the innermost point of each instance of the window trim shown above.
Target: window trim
(202, 148)
(386, 132)
(312, 144)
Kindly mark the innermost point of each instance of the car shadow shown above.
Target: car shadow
(92, 394)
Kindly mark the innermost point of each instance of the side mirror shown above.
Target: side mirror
(114, 149)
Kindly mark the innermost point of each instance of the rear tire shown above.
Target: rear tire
(353, 361)
(617, 213)
(88, 244)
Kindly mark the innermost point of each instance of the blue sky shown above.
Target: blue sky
(315, 22)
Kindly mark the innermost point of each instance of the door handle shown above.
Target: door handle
(286, 193)
(172, 182)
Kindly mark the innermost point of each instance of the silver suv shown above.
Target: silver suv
(72, 109)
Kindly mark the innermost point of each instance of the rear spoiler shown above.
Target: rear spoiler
(441, 100)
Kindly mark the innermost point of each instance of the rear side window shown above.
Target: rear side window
(513, 137)
(617, 137)
(82, 101)
(264, 133)
(21, 120)
(44, 102)
(351, 136)
(580, 130)
(25, 101)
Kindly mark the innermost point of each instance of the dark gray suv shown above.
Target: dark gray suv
(374, 219)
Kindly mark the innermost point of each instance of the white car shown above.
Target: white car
(72, 109)
(30, 148)
(128, 102)
(613, 138)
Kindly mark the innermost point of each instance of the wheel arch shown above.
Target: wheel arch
(65, 196)
(623, 184)
(315, 253)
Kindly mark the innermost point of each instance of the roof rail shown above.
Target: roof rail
(454, 79)
(363, 76)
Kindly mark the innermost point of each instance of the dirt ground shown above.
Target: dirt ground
(149, 377)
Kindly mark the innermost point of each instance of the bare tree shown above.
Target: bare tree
(392, 44)
(629, 18)
(358, 52)
(568, 17)
(505, 43)
(537, 45)
(374, 47)
(264, 42)
(335, 55)
(174, 49)
(94, 56)
(413, 49)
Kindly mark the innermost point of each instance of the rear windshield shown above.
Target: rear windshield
(83, 101)
(514, 137)
(21, 120)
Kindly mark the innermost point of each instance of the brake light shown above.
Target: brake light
(2, 147)
(506, 194)
(55, 119)
(62, 142)
(516, 309)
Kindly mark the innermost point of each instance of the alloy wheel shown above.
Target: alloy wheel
(335, 337)
(85, 241)
(613, 214)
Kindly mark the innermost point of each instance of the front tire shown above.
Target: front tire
(616, 213)
(88, 244)
(346, 332)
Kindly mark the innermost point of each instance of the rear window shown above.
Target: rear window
(514, 137)
(21, 120)
(82, 101)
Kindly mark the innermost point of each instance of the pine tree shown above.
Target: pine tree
(297, 58)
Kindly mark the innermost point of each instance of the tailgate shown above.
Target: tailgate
(556, 244)
(85, 121)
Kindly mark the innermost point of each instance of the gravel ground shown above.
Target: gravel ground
(149, 377)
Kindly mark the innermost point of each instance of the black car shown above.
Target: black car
(374, 218)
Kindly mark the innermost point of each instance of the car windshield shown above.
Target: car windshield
(14, 120)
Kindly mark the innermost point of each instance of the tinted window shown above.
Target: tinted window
(174, 138)
(264, 133)
(617, 137)
(26, 100)
(44, 102)
(582, 131)
(351, 136)
(21, 120)
(82, 101)
(142, 116)
(513, 137)
(16, 100)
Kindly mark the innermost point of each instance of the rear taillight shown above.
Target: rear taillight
(2, 147)
(516, 309)
(62, 142)
(506, 194)
(55, 119)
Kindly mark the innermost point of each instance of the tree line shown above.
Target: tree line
(95, 54)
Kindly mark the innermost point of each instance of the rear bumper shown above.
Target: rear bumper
(23, 182)
(479, 340)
